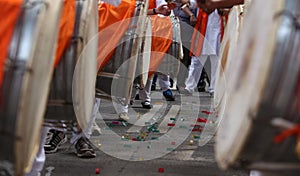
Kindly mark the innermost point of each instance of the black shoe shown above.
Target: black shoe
(54, 140)
(146, 105)
(84, 148)
(153, 87)
(169, 95)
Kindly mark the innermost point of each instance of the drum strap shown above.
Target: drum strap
(199, 34)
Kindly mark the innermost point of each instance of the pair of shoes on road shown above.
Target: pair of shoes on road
(56, 138)
(168, 95)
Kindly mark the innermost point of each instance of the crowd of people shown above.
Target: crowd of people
(201, 42)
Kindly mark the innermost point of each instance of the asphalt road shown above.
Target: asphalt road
(162, 141)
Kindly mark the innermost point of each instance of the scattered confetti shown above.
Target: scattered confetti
(99, 145)
(115, 122)
(161, 170)
(97, 171)
(173, 143)
(196, 137)
(206, 112)
(173, 119)
(171, 124)
(201, 120)
(154, 138)
(191, 142)
(182, 119)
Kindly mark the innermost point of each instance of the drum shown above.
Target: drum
(262, 88)
(170, 63)
(227, 51)
(143, 61)
(72, 90)
(26, 83)
(120, 70)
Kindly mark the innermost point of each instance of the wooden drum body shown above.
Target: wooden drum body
(170, 63)
(115, 78)
(72, 90)
(262, 87)
(26, 82)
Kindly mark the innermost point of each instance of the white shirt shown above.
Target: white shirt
(211, 45)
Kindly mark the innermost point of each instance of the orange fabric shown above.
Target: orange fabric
(9, 13)
(198, 39)
(66, 28)
(112, 26)
(161, 40)
(152, 4)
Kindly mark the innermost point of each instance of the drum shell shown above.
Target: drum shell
(74, 78)
(120, 70)
(255, 97)
(26, 83)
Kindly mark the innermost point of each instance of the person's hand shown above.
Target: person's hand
(193, 20)
(163, 10)
(171, 5)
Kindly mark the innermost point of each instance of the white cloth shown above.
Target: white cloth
(87, 131)
(211, 43)
(195, 71)
(163, 81)
(144, 94)
(40, 158)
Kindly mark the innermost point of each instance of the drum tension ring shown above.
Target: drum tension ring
(290, 15)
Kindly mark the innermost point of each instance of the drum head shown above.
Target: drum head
(26, 87)
(246, 84)
(227, 51)
(86, 68)
(144, 58)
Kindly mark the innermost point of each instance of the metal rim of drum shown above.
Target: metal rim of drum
(27, 76)
(259, 112)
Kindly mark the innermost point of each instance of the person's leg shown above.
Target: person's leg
(164, 83)
(153, 86)
(195, 72)
(83, 146)
(145, 95)
(214, 65)
(40, 158)
(183, 69)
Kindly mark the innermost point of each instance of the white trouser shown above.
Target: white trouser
(144, 94)
(121, 107)
(164, 81)
(40, 158)
(195, 71)
(87, 131)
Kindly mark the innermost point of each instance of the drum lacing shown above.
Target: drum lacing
(290, 15)
(30, 4)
